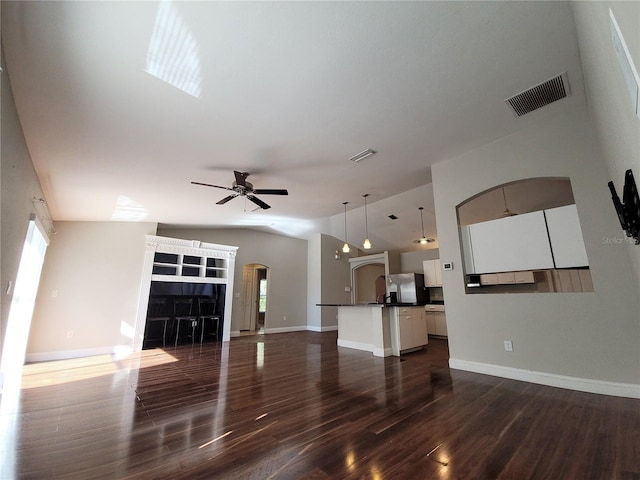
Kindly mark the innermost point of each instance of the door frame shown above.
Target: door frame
(250, 299)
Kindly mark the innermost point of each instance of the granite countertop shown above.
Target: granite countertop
(370, 304)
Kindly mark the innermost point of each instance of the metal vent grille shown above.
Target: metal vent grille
(539, 96)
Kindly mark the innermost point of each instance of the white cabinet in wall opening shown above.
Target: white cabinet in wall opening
(566, 238)
(432, 273)
(511, 244)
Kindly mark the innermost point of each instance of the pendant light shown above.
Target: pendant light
(423, 240)
(507, 212)
(345, 247)
(367, 244)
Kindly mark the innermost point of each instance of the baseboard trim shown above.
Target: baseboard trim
(331, 328)
(68, 354)
(382, 352)
(299, 328)
(355, 345)
(629, 390)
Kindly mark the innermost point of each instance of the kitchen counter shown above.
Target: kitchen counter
(363, 327)
(370, 304)
(382, 331)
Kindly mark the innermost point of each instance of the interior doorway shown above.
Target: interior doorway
(255, 295)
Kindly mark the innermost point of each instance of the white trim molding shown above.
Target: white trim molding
(155, 244)
(616, 389)
(330, 328)
(68, 354)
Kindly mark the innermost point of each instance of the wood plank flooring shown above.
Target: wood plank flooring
(294, 405)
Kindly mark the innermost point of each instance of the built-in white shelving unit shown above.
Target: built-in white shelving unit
(187, 261)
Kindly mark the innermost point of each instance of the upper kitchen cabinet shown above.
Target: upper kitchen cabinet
(432, 273)
(565, 236)
(509, 244)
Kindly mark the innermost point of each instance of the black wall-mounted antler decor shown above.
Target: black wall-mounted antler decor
(629, 210)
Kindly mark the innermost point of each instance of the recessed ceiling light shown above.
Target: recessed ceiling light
(362, 155)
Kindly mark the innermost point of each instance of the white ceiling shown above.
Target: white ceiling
(287, 91)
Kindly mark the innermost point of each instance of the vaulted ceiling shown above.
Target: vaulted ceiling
(123, 104)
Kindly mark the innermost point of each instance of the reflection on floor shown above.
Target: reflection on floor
(294, 405)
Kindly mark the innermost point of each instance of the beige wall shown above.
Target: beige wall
(19, 185)
(583, 335)
(286, 259)
(617, 127)
(327, 278)
(411, 262)
(90, 286)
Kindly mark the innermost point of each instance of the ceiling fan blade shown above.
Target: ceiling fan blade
(241, 178)
(209, 185)
(271, 191)
(258, 202)
(226, 199)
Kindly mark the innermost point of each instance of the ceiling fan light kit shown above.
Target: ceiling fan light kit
(245, 189)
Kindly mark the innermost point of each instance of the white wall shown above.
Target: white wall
(286, 258)
(19, 185)
(583, 335)
(95, 269)
(617, 127)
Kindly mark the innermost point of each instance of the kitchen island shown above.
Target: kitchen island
(382, 329)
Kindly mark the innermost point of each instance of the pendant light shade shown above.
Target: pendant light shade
(507, 212)
(367, 244)
(423, 240)
(345, 247)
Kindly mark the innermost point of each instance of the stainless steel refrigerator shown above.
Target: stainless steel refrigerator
(407, 288)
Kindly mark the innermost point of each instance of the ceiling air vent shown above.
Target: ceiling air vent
(540, 95)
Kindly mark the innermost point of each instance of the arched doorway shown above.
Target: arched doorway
(254, 300)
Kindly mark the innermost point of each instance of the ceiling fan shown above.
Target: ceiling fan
(245, 189)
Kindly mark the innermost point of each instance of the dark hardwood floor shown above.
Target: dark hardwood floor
(294, 406)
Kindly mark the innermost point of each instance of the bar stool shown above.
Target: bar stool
(207, 309)
(183, 308)
(157, 312)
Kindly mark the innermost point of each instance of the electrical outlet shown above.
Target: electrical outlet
(70, 334)
(508, 346)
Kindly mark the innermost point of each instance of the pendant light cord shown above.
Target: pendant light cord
(366, 223)
(345, 221)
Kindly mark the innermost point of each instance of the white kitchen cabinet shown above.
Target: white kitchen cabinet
(436, 320)
(566, 239)
(511, 244)
(432, 273)
(408, 329)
